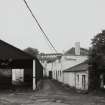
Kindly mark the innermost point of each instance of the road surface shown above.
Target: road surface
(50, 92)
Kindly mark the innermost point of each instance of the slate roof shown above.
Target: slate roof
(83, 52)
(80, 67)
(8, 51)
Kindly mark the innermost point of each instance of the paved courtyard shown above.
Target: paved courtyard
(50, 93)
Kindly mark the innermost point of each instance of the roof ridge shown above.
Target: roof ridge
(84, 62)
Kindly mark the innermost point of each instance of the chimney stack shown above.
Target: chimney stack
(77, 48)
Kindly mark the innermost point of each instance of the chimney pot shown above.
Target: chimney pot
(77, 48)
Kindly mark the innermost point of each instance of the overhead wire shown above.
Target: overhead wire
(42, 30)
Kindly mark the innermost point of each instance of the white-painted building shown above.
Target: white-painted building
(50, 62)
(77, 76)
(59, 62)
(72, 57)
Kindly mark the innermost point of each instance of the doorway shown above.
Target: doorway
(84, 81)
(50, 74)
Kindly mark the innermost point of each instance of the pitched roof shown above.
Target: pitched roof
(71, 51)
(8, 51)
(80, 67)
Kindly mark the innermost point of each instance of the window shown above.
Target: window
(78, 78)
(61, 73)
(58, 73)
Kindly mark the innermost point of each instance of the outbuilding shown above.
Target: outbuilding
(77, 76)
(12, 58)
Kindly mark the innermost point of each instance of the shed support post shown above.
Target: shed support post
(34, 69)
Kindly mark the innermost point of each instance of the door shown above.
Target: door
(83, 81)
(50, 74)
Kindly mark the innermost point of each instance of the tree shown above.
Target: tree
(97, 59)
(32, 51)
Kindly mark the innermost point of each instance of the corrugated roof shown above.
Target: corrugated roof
(71, 51)
(80, 67)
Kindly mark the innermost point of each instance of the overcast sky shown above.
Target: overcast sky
(64, 21)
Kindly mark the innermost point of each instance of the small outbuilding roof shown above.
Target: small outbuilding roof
(80, 67)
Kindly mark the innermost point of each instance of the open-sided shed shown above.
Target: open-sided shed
(14, 58)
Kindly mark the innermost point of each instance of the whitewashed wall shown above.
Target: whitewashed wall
(65, 63)
(57, 68)
(69, 78)
(44, 64)
(79, 84)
